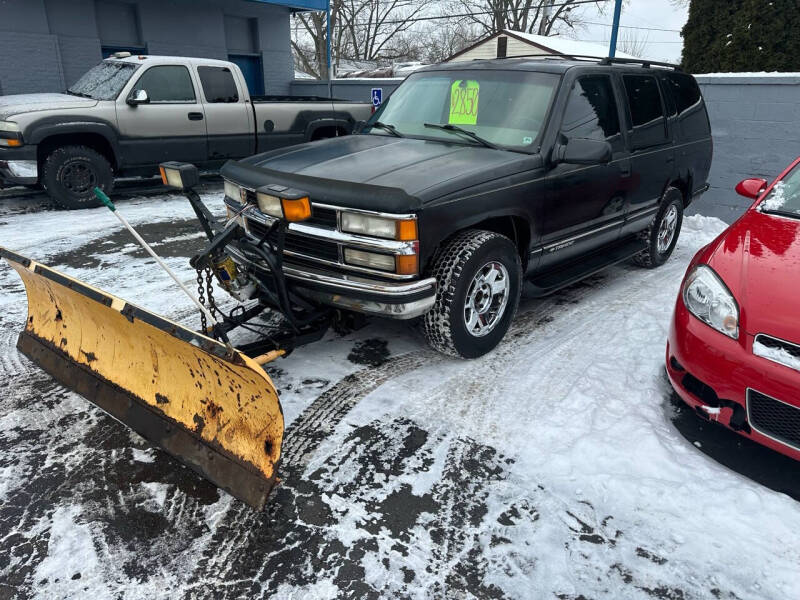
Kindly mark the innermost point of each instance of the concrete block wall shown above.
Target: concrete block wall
(46, 45)
(755, 123)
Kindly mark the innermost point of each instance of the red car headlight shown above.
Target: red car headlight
(707, 297)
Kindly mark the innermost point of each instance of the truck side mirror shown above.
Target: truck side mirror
(138, 97)
(751, 188)
(582, 151)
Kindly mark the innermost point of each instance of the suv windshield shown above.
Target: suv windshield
(506, 108)
(104, 81)
(784, 198)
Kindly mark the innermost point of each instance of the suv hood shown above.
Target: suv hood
(758, 258)
(27, 103)
(391, 174)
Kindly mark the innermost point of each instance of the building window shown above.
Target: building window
(502, 46)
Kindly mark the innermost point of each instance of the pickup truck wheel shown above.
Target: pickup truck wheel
(71, 174)
(661, 235)
(478, 275)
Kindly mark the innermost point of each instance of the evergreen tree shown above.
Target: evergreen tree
(742, 35)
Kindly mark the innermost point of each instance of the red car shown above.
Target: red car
(734, 345)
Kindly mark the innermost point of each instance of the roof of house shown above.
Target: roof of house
(553, 44)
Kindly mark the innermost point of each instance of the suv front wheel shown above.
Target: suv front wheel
(478, 275)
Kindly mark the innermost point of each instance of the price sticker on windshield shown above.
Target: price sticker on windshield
(464, 102)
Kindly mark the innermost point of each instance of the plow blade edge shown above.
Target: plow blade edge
(215, 410)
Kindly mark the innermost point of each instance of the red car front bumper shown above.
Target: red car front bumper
(713, 373)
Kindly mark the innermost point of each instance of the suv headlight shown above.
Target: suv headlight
(8, 126)
(382, 227)
(11, 137)
(708, 299)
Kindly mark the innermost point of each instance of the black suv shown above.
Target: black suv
(472, 176)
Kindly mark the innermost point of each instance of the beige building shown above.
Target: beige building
(518, 43)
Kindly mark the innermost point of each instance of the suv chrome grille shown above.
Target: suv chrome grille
(773, 418)
(300, 244)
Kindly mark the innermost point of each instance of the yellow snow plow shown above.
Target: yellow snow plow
(210, 406)
(192, 393)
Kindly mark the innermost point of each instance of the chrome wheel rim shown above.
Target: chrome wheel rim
(666, 231)
(487, 297)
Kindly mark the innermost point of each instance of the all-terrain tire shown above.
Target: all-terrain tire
(671, 207)
(71, 173)
(455, 266)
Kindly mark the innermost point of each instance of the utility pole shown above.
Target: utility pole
(328, 50)
(615, 29)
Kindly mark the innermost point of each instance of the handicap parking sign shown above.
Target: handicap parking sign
(377, 97)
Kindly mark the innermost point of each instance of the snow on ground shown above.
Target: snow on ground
(549, 468)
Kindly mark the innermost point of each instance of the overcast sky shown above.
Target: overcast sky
(654, 14)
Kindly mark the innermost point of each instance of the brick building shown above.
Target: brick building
(46, 45)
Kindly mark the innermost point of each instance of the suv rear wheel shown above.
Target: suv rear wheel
(662, 234)
(71, 173)
(478, 275)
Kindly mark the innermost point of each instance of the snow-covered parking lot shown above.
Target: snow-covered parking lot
(550, 468)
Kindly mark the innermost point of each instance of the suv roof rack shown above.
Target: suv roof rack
(603, 60)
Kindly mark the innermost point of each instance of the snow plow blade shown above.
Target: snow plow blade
(209, 406)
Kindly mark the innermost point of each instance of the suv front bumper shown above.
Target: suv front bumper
(397, 300)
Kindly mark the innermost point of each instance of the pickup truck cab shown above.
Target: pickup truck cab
(475, 176)
(129, 113)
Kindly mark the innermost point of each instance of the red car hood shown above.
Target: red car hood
(758, 258)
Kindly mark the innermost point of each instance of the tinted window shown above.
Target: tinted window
(646, 110)
(592, 111)
(170, 83)
(218, 84)
(684, 90)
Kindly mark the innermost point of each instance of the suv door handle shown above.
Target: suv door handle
(195, 116)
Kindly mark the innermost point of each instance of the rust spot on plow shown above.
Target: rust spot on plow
(199, 423)
(161, 399)
(90, 356)
(213, 409)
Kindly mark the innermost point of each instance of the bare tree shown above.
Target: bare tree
(362, 30)
(530, 16)
(631, 43)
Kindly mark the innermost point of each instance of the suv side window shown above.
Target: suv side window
(218, 84)
(591, 111)
(689, 105)
(646, 111)
(167, 84)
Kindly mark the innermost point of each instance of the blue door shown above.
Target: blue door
(250, 65)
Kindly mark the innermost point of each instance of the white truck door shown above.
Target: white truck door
(229, 115)
(169, 125)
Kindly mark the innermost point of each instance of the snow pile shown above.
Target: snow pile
(778, 355)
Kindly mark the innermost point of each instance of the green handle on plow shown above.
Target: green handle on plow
(101, 195)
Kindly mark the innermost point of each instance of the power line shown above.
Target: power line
(632, 27)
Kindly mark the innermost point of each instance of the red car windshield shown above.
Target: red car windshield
(784, 198)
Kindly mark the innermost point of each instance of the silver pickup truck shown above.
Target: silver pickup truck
(129, 113)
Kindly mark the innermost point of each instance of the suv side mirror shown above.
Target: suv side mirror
(582, 151)
(138, 97)
(751, 188)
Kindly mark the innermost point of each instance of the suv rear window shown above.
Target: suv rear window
(646, 110)
(218, 84)
(684, 91)
(591, 111)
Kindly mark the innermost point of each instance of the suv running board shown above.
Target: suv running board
(543, 284)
